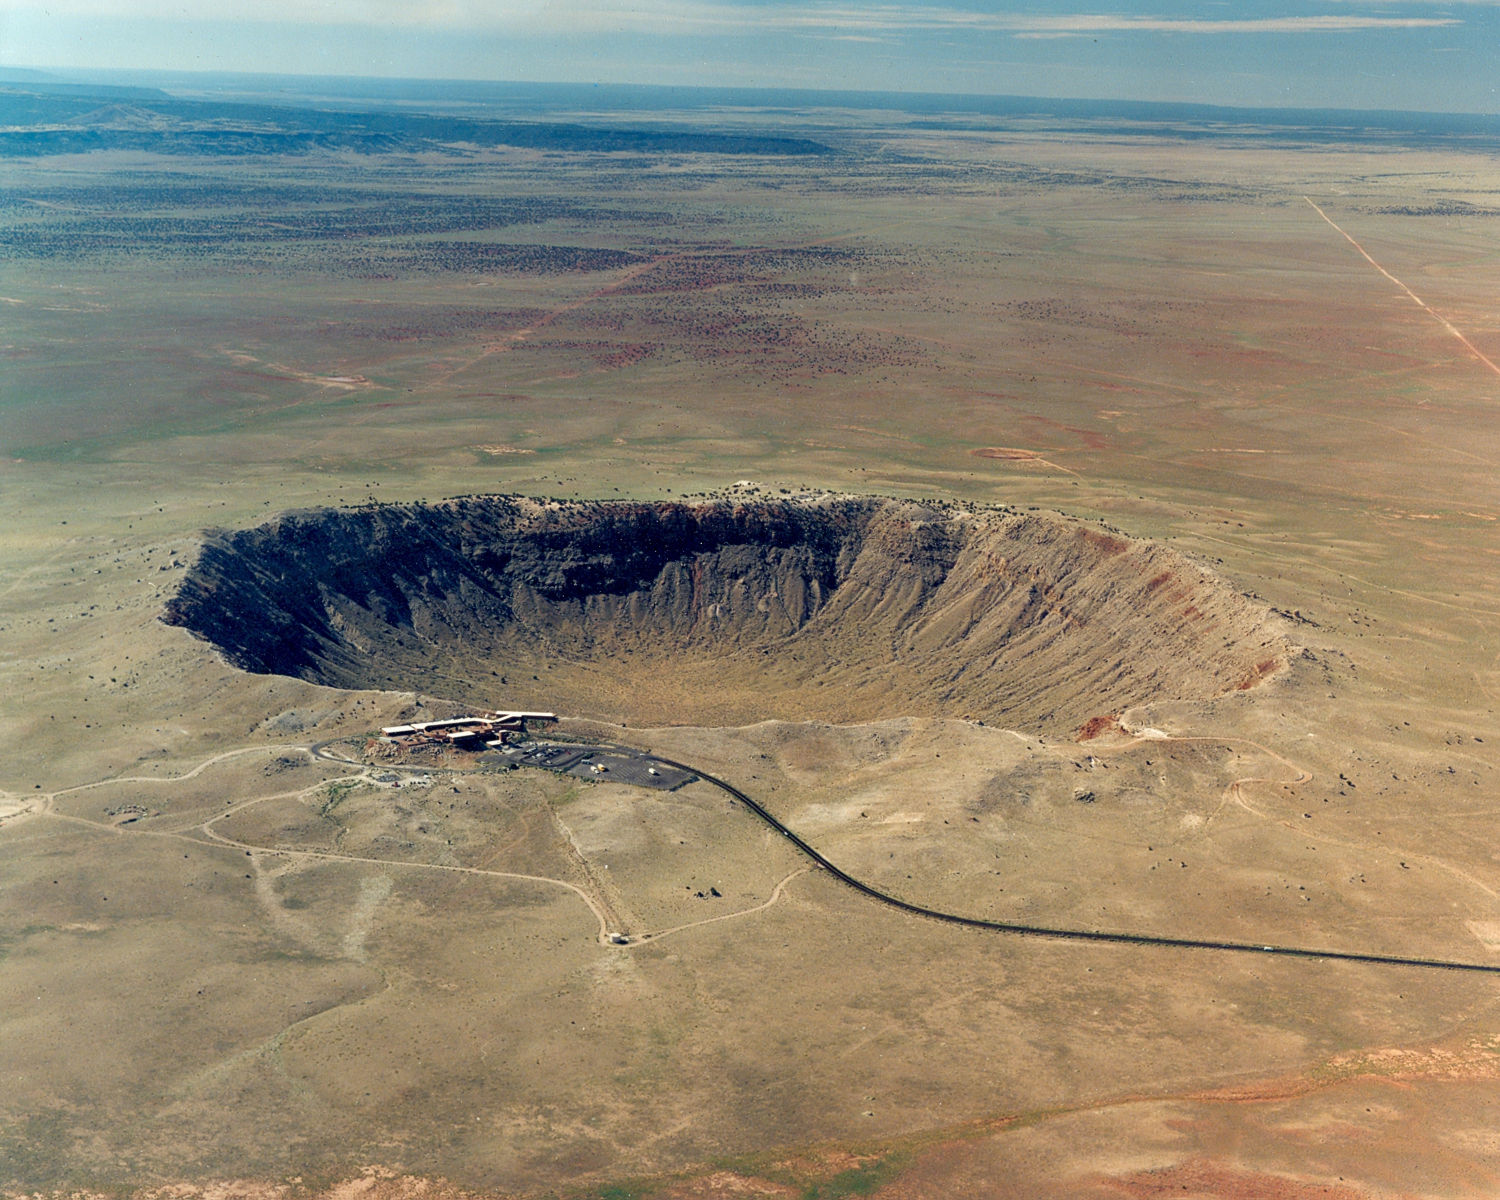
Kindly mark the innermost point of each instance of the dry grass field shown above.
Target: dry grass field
(231, 968)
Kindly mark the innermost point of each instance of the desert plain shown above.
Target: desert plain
(231, 967)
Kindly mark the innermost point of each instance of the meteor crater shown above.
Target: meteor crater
(839, 608)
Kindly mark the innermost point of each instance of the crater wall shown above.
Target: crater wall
(840, 608)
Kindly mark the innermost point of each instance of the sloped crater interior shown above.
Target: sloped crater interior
(730, 611)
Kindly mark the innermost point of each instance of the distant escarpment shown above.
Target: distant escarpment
(839, 608)
(39, 118)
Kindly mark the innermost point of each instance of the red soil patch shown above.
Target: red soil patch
(1257, 673)
(1104, 542)
(1098, 727)
(1090, 439)
(1201, 1178)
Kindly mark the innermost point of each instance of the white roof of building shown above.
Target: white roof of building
(501, 718)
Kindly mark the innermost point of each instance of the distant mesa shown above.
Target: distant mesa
(39, 118)
(729, 611)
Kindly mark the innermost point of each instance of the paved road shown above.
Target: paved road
(1039, 931)
(1077, 935)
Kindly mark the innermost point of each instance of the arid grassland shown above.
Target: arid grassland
(1256, 375)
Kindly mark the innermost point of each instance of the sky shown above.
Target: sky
(1425, 55)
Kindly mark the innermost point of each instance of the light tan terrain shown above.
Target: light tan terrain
(232, 968)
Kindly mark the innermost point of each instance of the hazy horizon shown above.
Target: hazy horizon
(1410, 55)
(523, 94)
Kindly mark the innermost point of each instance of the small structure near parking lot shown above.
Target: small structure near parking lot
(491, 729)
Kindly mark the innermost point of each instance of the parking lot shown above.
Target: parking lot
(601, 764)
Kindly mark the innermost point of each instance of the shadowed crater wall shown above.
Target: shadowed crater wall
(730, 611)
